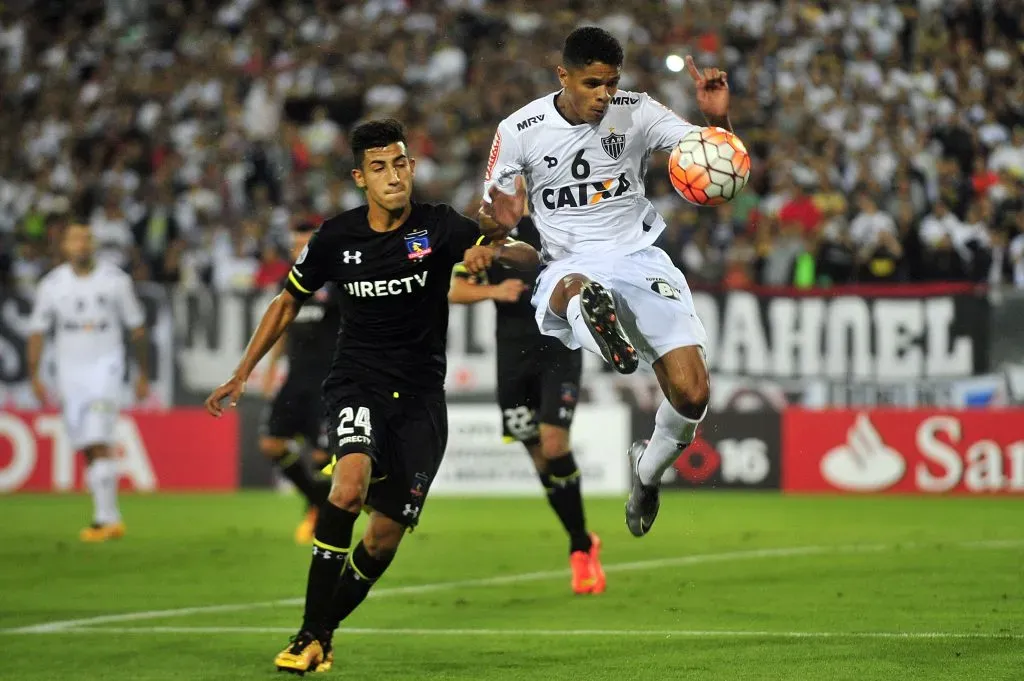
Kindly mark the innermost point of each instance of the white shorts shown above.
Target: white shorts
(90, 396)
(653, 300)
(90, 422)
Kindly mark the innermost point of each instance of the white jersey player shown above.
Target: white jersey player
(87, 305)
(582, 155)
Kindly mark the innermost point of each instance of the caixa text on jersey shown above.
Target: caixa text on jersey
(585, 193)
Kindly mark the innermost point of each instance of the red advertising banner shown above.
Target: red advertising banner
(180, 449)
(903, 451)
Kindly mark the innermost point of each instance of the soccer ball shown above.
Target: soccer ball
(709, 166)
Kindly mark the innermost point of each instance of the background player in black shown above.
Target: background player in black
(538, 386)
(392, 261)
(296, 411)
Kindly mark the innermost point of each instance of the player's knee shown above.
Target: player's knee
(690, 397)
(554, 442)
(382, 538)
(347, 495)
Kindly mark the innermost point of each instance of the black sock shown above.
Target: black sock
(564, 496)
(361, 572)
(294, 469)
(333, 537)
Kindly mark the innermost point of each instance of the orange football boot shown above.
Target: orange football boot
(304, 532)
(101, 533)
(595, 564)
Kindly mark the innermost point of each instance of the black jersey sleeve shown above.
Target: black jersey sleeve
(463, 233)
(311, 269)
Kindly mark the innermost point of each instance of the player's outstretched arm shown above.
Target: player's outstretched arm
(279, 315)
(508, 252)
(35, 354)
(466, 290)
(712, 94)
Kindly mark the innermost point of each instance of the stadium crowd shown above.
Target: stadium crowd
(887, 135)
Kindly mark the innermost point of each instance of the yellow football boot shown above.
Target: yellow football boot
(100, 533)
(303, 654)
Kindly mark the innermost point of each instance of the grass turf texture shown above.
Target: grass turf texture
(728, 586)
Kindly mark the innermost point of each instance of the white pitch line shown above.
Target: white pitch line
(661, 633)
(64, 625)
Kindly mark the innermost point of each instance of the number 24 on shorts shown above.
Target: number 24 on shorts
(349, 419)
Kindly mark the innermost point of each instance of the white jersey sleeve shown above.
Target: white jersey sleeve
(504, 163)
(663, 128)
(132, 315)
(44, 309)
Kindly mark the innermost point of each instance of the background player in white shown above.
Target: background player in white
(87, 304)
(583, 153)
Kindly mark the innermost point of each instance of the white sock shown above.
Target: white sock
(103, 479)
(580, 330)
(672, 433)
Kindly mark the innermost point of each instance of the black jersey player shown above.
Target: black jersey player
(392, 261)
(296, 412)
(538, 386)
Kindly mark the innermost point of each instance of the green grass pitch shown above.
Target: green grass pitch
(728, 586)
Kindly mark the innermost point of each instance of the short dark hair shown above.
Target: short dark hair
(373, 135)
(304, 227)
(589, 44)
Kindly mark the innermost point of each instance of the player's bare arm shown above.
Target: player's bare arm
(276, 353)
(467, 290)
(35, 354)
(140, 349)
(712, 94)
(280, 313)
(510, 253)
(499, 217)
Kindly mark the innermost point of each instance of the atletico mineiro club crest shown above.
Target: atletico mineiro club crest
(613, 144)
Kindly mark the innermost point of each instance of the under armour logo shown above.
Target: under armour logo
(414, 511)
(356, 257)
(317, 551)
(551, 161)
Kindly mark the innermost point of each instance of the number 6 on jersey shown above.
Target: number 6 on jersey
(360, 418)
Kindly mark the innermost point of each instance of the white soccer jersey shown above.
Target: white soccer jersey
(87, 314)
(586, 182)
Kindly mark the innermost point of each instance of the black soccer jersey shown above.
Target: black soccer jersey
(394, 294)
(515, 320)
(313, 334)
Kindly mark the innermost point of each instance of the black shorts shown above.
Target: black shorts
(297, 411)
(538, 382)
(405, 436)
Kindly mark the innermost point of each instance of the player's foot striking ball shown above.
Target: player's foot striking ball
(538, 387)
(585, 150)
(388, 421)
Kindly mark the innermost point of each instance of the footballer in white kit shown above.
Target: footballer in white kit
(86, 305)
(582, 155)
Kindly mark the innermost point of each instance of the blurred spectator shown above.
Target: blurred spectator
(238, 112)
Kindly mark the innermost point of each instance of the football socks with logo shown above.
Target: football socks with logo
(331, 542)
(580, 330)
(359, 575)
(102, 478)
(672, 433)
(566, 499)
(294, 469)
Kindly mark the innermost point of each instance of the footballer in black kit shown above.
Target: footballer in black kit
(538, 388)
(296, 410)
(392, 261)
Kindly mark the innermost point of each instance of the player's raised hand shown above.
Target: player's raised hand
(712, 89)
(509, 290)
(478, 259)
(506, 209)
(231, 389)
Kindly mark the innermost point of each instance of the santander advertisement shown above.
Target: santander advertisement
(904, 451)
(180, 449)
